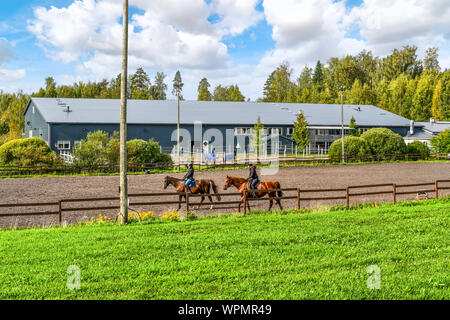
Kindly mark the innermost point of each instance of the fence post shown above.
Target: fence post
(298, 199)
(187, 203)
(245, 202)
(394, 193)
(436, 188)
(60, 211)
(347, 196)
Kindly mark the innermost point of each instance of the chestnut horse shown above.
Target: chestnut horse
(202, 187)
(242, 185)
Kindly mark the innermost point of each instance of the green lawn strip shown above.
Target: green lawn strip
(322, 254)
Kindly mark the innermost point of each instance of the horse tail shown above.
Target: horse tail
(214, 187)
(279, 193)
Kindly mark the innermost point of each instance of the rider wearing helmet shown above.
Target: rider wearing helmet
(253, 178)
(189, 177)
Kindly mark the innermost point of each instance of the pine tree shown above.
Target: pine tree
(318, 74)
(203, 90)
(256, 141)
(140, 85)
(355, 131)
(301, 133)
(177, 86)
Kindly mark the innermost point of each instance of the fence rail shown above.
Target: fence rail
(234, 164)
(60, 206)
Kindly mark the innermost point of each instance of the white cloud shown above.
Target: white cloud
(11, 75)
(305, 31)
(6, 53)
(237, 15)
(168, 34)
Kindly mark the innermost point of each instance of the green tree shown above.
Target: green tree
(140, 85)
(437, 104)
(317, 78)
(422, 99)
(431, 60)
(354, 128)
(50, 87)
(203, 90)
(279, 86)
(256, 141)
(441, 143)
(177, 86)
(234, 94)
(158, 91)
(220, 93)
(301, 133)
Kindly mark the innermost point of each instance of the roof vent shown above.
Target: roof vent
(67, 109)
(431, 120)
(284, 108)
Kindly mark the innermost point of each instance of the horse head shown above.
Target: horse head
(166, 182)
(228, 182)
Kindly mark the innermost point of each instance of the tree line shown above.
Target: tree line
(400, 83)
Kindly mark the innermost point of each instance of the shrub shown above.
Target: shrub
(417, 148)
(28, 152)
(354, 147)
(441, 143)
(101, 149)
(97, 149)
(383, 141)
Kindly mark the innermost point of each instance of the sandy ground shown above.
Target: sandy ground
(28, 190)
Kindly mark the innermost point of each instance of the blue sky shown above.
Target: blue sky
(227, 41)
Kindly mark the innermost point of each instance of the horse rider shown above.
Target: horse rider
(189, 177)
(253, 178)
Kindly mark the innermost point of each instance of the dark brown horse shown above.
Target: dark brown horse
(202, 187)
(242, 185)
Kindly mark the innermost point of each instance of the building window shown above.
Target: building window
(290, 131)
(278, 131)
(243, 131)
(77, 144)
(322, 132)
(30, 133)
(63, 145)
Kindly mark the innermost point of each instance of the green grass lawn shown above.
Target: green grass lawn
(318, 254)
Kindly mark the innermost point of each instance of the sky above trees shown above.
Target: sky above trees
(227, 41)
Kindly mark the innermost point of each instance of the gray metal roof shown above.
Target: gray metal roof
(210, 112)
(435, 127)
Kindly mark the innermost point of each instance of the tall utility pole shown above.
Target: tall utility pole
(123, 216)
(342, 122)
(178, 129)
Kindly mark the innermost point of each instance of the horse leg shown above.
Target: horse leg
(201, 201)
(270, 203)
(210, 200)
(279, 203)
(180, 199)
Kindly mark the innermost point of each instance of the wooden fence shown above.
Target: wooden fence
(235, 164)
(58, 208)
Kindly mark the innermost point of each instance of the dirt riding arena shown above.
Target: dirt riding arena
(29, 190)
